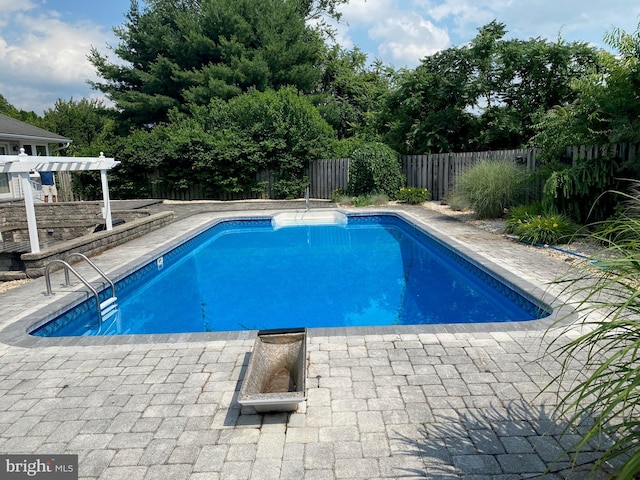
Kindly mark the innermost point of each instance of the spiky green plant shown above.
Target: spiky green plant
(492, 186)
(545, 229)
(608, 346)
(413, 196)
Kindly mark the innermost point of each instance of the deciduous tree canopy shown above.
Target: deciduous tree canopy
(483, 95)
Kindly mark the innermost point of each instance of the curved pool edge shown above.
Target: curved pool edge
(16, 333)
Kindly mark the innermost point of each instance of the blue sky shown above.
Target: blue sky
(44, 43)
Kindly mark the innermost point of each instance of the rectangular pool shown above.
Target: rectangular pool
(246, 274)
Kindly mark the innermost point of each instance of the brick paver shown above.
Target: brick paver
(432, 403)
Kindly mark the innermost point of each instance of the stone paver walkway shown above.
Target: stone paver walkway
(436, 403)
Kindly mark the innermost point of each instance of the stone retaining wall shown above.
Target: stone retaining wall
(58, 221)
(94, 243)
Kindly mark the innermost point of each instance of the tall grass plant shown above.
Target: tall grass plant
(491, 187)
(607, 347)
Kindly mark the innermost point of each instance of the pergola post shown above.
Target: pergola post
(106, 214)
(32, 224)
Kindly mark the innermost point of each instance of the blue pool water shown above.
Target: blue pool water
(244, 274)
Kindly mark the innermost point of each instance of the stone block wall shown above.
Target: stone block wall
(58, 221)
(35, 263)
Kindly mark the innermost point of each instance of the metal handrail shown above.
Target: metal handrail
(95, 267)
(67, 267)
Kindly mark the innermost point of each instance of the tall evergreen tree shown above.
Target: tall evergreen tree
(174, 52)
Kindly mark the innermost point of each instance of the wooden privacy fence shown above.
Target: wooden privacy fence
(437, 172)
(328, 175)
(625, 152)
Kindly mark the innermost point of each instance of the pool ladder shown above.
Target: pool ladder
(105, 309)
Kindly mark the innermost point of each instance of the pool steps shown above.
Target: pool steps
(106, 308)
(302, 218)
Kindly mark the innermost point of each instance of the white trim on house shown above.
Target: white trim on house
(16, 134)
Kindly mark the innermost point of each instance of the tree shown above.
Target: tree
(222, 146)
(375, 168)
(10, 111)
(605, 106)
(428, 111)
(349, 92)
(192, 51)
(86, 122)
(538, 76)
(482, 96)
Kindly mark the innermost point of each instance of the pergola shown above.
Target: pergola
(22, 164)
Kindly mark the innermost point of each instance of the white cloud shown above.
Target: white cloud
(407, 38)
(391, 30)
(44, 58)
(577, 20)
(368, 11)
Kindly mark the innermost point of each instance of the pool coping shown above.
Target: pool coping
(16, 333)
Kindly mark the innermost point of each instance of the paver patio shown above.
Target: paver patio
(437, 402)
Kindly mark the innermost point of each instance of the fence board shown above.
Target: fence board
(438, 173)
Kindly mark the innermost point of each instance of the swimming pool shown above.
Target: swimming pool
(244, 274)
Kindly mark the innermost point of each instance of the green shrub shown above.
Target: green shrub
(519, 214)
(490, 187)
(413, 196)
(374, 168)
(291, 188)
(340, 197)
(361, 201)
(545, 229)
(379, 199)
(577, 191)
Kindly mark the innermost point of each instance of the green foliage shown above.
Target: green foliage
(222, 147)
(544, 229)
(10, 111)
(374, 168)
(379, 199)
(607, 348)
(339, 195)
(457, 202)
(510, 81)
(86, 122)
(290, 188)
(428, 110)
(604, 108)
(490, 187)
(345, 147)
(349, 91)
(520, 213)
(341, 198)
(175, 53)
(413, 196)
(574, 190)
(361, 201)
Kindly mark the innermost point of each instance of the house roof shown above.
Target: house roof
(13, 129)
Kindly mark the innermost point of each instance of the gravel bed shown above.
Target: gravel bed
(580, 247)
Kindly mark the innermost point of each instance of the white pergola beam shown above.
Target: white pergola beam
(23, 164)
(71, 165)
